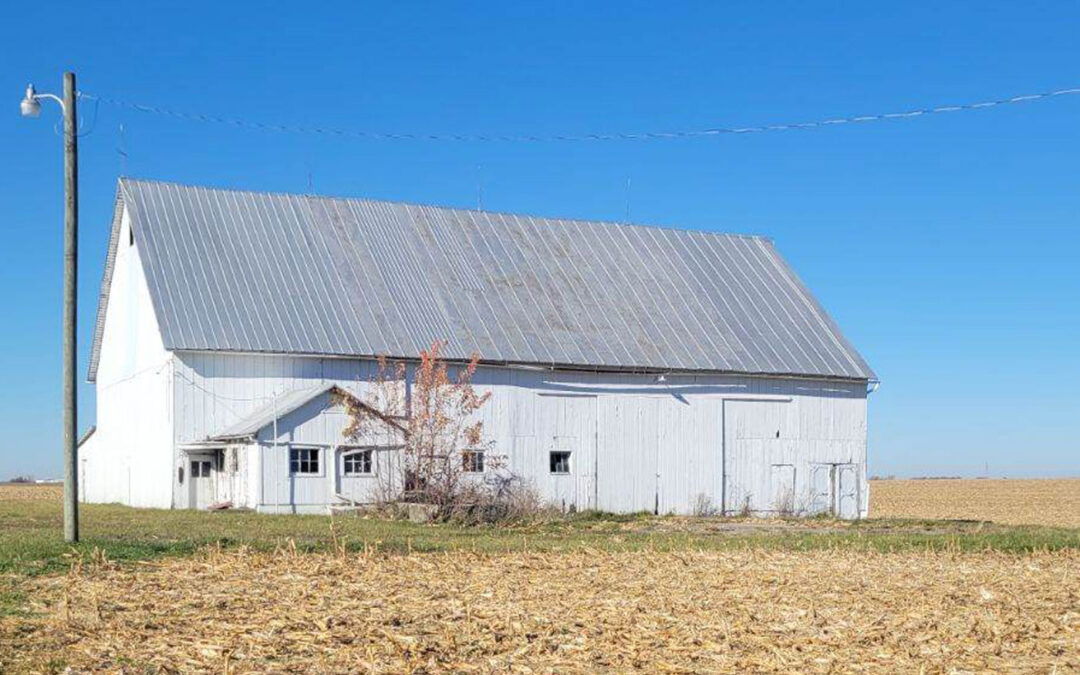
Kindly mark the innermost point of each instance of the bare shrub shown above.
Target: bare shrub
(785, 504)
(704, 506)
(441, 456)
(502, 498)
(746, 511)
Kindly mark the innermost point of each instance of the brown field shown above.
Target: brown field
(31, 491)
(600, 595)
(580, 612)
(1050, 501)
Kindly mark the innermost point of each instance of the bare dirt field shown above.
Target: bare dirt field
(581, 612)
(1050, 501)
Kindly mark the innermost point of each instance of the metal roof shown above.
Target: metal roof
(281, 405)
(275, 409)
(263, 272)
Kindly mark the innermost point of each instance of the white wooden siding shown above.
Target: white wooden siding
(129, 458)
(637, 445)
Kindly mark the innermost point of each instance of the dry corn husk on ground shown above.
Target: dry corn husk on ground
(578, 612)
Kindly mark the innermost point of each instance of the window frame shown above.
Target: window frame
(354, 451)
(316, 453)
(201, 468)
(552, 465)
(473, 466)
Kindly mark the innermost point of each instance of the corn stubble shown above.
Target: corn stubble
(581, 612)
(15, 492)
(1042, 501)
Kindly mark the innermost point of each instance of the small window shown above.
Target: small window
(180, 474)
(559, 462)
(472, 461)
(304, 460)
(358, 463)
(131, 236)
(200, 468)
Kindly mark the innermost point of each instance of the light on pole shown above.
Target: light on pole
(31, 107)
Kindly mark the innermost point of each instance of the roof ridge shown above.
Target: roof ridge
(584, 221)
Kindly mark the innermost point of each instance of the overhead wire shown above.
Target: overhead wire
(539, 138)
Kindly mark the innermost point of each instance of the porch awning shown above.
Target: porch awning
(275, 409)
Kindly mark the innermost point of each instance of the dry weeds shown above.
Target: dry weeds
(1054, 502)
(583, 612)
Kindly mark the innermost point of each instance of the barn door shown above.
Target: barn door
(847, 491)
(756, 436)
(821, 488)
(835, 489)
(566, 426)
(200, 481)
(783, 489)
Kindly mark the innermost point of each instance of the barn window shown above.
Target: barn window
(304, 461)
(472, 461)
(358, 463)
(559, 461)
(180, 474)
(200, 468)
(131, 236)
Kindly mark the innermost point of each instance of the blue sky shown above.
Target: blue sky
(945, 247)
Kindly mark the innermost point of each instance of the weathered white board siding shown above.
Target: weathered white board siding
(234, 477)
(636, 445)
(128, 459)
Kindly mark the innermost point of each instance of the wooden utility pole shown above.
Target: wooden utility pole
(71, 254)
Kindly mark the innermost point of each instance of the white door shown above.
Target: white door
(835, 489)
(756, 434)
(782, 488)
(821, 489)
(847, 491)
(200, 482)
(566, 426)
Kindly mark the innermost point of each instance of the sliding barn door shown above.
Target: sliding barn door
(566, 430)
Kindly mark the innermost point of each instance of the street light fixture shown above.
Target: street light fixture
(30, 106)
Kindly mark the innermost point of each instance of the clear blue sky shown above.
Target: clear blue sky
(946, 247)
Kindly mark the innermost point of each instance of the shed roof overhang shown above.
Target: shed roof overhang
(248, 427)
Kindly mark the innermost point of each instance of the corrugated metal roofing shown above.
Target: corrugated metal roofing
(262, 272)
(277, 408)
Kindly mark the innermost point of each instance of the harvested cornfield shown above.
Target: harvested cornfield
(30, 492)
(1054, 502)
(579, 612)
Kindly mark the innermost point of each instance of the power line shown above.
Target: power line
(636, 136)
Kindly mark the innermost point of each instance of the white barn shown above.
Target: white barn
(632, 368)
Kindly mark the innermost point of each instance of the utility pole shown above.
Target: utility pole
(31, 107)
(71, 271)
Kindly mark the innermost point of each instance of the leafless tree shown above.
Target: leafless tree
(437, 415)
